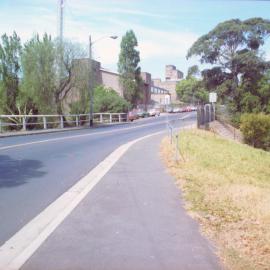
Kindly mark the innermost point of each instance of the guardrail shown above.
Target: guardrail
(36, 122)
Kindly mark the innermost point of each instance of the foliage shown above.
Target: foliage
(39, 76)
(191, 89)
(256, 129)
(72, 73)
(128, 68)
(108, 100)
(233, 47)
(46, 79)
(10, 51)
(193, 71)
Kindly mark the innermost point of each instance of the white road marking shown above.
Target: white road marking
(19, 248)
(83, 135)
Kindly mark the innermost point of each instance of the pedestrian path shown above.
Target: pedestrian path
(133, 219)
(227, 131)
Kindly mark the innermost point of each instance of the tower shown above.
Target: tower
(60, 20)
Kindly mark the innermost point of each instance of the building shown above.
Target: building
(160, 96)
(155, 92)
(172, 77)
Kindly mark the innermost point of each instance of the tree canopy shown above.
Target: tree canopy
(39, 76)
(191, 89)
(128, 67)
(233, 48)
(10, 66)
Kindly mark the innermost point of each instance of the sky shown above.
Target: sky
(165, 29)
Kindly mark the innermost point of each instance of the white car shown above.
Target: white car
(176, 110)
(153, 112)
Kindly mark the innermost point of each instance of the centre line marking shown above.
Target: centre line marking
(84, 135)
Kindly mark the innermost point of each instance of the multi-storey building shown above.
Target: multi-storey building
(172, 77)
(155, 92)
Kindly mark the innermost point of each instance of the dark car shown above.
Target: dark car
(143, 114)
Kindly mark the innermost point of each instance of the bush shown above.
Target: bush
(236, 119)
(108, 100)
(256, 130)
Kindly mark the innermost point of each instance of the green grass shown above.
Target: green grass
(227, 185)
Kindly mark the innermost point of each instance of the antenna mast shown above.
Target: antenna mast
(61, 19)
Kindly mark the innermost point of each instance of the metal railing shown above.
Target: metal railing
(37, 122)
(173, 130)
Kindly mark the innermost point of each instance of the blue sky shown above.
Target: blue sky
(165, 29)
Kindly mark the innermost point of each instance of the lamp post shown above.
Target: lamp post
(91, 78)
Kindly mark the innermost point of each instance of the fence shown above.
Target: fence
(174, 136)
(227, 119)
(36, 122)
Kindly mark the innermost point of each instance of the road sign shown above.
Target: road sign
(212, 97)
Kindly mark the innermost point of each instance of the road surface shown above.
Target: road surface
(35, 170)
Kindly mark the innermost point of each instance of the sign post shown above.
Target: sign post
(213, 100)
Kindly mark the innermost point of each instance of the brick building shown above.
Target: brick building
(155, 92)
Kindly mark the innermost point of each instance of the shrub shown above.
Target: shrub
(256, 130)
(108, 100)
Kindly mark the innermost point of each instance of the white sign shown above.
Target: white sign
(212, 97)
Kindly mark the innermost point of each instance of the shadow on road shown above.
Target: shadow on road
(18, 172)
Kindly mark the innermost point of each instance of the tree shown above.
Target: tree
(233, 47)
(45, 84)
(128, 68)
(39, 75)
(73, 73)
(193, 71)
(10, 51)
(191, 90)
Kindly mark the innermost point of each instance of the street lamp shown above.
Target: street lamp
(91, 90)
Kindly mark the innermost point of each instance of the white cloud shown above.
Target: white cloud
(156, 46)
(107, 7)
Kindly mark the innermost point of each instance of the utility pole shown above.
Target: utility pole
(91, 78)
(92, 74)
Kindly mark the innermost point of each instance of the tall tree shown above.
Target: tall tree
(233, 48)
(128, 67)
(44, 87)
(72, 74)
(39, 74)
(10, 51)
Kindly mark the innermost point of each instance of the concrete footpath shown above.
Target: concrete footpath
(133, 219)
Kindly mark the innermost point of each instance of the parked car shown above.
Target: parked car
(154, 112)
(187, 109)
(176, 110)
(132, 115)
(169, 110)
(193, 108)
(143, 114)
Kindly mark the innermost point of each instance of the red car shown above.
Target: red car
(132, 115)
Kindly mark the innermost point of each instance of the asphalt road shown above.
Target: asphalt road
(133, 219)
(35, 170)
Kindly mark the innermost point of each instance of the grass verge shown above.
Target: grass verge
(226, 187)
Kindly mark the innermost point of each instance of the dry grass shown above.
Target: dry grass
(227, 188)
